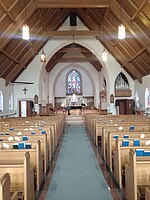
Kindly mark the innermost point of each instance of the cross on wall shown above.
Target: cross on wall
(25, 90)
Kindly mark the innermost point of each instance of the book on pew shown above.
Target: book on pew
(15, 146)
(21, 145)
(125, 143)
(24, 138)
(28, 146)
(32, 133)
(132, 127)
(146, 153)
(11, 129)
(5, 145)
(43, 132)
(139, 152)
(10, 138)
(115, 136)
(126, 136)
(136, 143)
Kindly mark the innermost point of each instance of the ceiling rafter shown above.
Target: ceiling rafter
(138, 10)
(136, 55)
(16, 70)
(79, 33)
(133, 28)
(105, 17)
(71, 4)
(42, 20)
(16, 27)
(9, 56)
(7, 12)
(120, 56)
(72, 59)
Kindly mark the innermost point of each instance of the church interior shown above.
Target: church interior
(74, 99)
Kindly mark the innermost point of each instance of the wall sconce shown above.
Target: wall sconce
(43, 56)
(104, 55)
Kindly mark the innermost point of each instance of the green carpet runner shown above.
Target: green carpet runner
(77, 175)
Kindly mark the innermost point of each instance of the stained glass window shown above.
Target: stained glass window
(74, 82)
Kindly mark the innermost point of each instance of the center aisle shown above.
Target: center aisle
(77, 175)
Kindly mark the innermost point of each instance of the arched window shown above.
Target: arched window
(73, 83)
(137, 100)
(147, 98)
(1, 101)
(11, 102)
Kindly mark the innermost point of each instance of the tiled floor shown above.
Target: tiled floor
(117, 195)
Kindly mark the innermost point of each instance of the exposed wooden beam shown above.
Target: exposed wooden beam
(74, 49)
(14, 28)
(7, 11)
(9, 56)
(41, 18)
(121, 58)
(68, 60)
(136, 55)
(74, 33)
(105, 17)
(133, 28)
(18, 68)
(73, 4)
(138, 10)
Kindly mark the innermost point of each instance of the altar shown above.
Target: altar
(74, 107)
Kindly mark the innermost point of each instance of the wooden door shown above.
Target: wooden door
(25, 109)
(122, 107)
(129, 106)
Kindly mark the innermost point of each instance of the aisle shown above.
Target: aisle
(77, 175)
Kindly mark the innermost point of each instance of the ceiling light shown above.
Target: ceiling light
(121, 28)
(121, 32)
(25, 28)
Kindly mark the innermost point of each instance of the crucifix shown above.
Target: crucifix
(25, 90)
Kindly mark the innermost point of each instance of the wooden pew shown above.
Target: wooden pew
(36, 160)
(5, 186)
(116, 131)
(120, 158)
(5, 193)
(136, 175)
(33, 140)
(111, 143)
(147, 193)
(21, 176)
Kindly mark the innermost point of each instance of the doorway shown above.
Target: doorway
(25, 108)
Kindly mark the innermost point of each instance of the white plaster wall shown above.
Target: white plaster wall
(140, 88)
(6, 90)
(36, 70)
(32, 75)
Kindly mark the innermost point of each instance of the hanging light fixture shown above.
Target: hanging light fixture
(43, 56)
(25, 28)
(104, 55)
(121, 28)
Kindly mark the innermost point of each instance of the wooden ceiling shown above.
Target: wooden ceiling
(102, 18)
